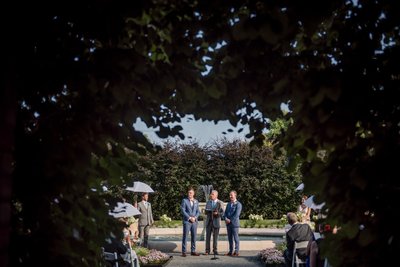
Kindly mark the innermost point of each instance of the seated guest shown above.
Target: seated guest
(297, 233)
(304, 210)
(121, 246)
(313, 249)
(115, 245)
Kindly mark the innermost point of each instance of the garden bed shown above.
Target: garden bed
(158, 264)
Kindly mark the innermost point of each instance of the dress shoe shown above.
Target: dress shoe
(195, 254)
(183, 254)
(235, 254)
(216, 253)
(228, 254)
(206, 253)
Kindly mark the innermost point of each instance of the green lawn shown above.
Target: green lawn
(170, 224)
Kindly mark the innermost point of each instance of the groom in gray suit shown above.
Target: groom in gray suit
(214, 210)
(145, 219)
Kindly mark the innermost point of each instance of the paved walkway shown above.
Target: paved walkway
(248, 249)
(245, 259)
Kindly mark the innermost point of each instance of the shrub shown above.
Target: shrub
(255, 217)
(141, 251)
(154, 257)
(271, 256)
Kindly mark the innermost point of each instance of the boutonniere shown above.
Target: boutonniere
(195, 201)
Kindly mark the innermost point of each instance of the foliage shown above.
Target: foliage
(255, 217)
(167, 222)
(171, 224)
(269, 223)
(164, 218)
(271, 256)
(281, 246)
(251, 171)
(78, 75)
(152, 256)
(255, 221)
(141, 251)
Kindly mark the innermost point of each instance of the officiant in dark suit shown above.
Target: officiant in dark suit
(214, 211)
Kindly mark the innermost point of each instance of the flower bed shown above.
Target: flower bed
(272, 257)
(152, 258)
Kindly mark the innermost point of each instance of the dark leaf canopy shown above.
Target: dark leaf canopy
(83, 72)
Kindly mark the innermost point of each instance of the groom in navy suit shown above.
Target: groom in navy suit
(190, 213)
(232, 213)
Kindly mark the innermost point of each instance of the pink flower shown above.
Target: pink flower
(271, 256)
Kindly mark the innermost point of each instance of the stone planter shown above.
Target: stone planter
(158, 264)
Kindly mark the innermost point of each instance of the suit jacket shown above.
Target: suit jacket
(215, 220)
(189, 211)
(146, 218)
(298, 232)
(232, 212)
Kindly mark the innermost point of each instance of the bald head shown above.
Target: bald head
(214, 194)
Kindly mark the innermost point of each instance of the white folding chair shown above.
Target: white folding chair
(112, 258)
(296, 261)
(134, 259)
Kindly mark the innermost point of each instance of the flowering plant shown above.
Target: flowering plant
(164, 218)
(153, 257)
(255, 217)
(271, 256)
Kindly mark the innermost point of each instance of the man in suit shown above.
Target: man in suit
(214, 211)
(190, 213)
(298, 232)
(145, 219)
(231, 215)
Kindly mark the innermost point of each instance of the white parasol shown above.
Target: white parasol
(300, 187)
(311, 204)
(124, 210)
(140, 187)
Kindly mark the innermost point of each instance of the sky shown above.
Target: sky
(203, 132)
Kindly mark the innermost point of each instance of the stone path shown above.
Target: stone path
(245, 259)
(176, 246)
(248, 253)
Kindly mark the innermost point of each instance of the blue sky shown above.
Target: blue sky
(204, 132)
(201, 131)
